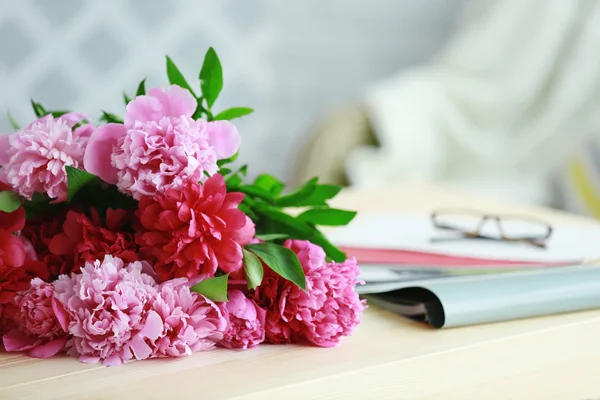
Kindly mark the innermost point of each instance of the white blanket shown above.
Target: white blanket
(513, 94)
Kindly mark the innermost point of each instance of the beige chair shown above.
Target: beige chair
(324, 154)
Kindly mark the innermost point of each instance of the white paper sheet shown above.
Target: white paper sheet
(415, 232)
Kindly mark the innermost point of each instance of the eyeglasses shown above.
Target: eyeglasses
(512, 228)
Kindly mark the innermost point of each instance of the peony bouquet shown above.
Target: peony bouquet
(136, 238)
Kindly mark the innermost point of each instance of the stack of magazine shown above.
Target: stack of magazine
(446, 280)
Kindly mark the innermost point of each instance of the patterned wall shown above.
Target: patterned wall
(290, 60)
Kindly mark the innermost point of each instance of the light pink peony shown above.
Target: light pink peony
(328, 310)
(39, 331)
(183, 322)
(193, 231)
(34, 159)
(159, 147)
(106, 307)
(246, 322)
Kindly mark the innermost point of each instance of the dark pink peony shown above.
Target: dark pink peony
(328, 310)
(192, 231)
(38, 331)
(84, 239)
(16, 271)
(246, 322)
(106, 308)
(183, 322)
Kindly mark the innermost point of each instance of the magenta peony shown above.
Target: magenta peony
(106, 307)
(246, 322)
(188, 322)
(159, 147)
(328, 310)
(33, 160)
(39, 331)
(191, 231)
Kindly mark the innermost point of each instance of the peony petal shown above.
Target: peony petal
(6, 297)
(14, 249)
(15, 340)
(84, 131)
(14, 221)
(157, 104)
(49, 349)
(4, 146)
(154, 326)
(246, 234)
(113, 360)
(73, 118)
(97, 157)
(30, 253)
(61, 314)
(115, 219)
(89, 359)
(224, 137)
(139, 348)
(60, 245)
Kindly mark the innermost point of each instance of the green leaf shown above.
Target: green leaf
(176, 77)
(38, 109)
(248, 211)
(269, 183)
(141, 90)
(9, 201)
(13, 122)
(286, 224)
(332, 251)
(253, 268)
(233, 182)
(267, 237)
(226, 161)
(327, 216)
(77, 179)
(214, 289)
(232, 113)
(225, 171)
(281, 260)
(58, 114)
(126, 98)
(319, 196)
(39, 204)
(255, 192)
(110, 118)
(211, 77)
(301, 194)
(103, 197)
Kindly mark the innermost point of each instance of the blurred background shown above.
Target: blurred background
(490, 96)
(290, 61)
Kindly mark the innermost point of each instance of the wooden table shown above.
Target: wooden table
(388, 357)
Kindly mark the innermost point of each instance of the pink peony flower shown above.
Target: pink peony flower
(159, 147)
(191, 231)
(246, 322)
(106, 307)
(328, 310)
(34, 158)
(184, 322)
(39, 331)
